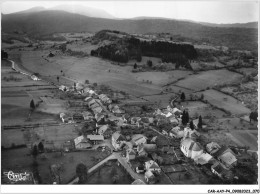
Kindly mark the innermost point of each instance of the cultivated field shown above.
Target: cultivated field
(210, 78)
(226, 102)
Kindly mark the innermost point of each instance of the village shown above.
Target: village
(158, 146)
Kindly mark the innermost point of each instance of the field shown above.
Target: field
(161, 78)
(17, 92)
(247, 71)
(197, 108)
(20, 160)
(226, 102)
(105, 174)
(210, 78)
(69, 162)
(88, 68)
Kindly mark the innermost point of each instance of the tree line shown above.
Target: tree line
(133, 48)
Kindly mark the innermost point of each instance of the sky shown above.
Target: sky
(213, 11)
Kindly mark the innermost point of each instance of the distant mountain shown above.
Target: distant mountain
(235, 25)
(48, 22)
(32, 10)
(232, 25)
(82, 10)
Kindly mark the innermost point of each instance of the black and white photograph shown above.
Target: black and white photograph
(123, 93)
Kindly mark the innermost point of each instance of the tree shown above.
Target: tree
(86, 81)
(149, 63)
(58, 78)
(202, 96)
(135, 66)
(35, 151)
(4, 55)
(182, 96)
(253, 116)
(187, 117)
(41, 147)
(82, 172)
(183, 118)
(200, 122)
(192, 125)
(32, 105)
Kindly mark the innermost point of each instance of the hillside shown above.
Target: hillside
(47, 22)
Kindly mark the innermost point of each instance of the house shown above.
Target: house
(189, 133)
(35, 78)
(152, 166)
(190, 148)
(105, 131)
(173, 120)
(68, 146)
(138, 182)
(134, 120)
(176, 111)
(212, 147)
(97, 110)
(153, 140)
(116, 110)
(218, 169)
(88, 99)
(142, 152)
(117, 140)
(176, 132)
(63, 88)
(95, 139)
(149, 177)
(149, 147)
(66, 118)
(87, 115)
(78, 117)
(203, 159)
(138, 139)
(130, 154)
(105, 99)
(82, 143)
(100, 117)
(226, 156)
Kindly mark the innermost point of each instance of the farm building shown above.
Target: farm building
(138, 139)
(117, 140)
(218, 169)
(226, 156)
(130, 154)
(152, 166)
(82, 143)
(95, 139)
(190, 148)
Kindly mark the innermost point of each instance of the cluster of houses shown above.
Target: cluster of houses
(220, 158)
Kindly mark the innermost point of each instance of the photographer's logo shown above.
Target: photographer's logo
(15, 177)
